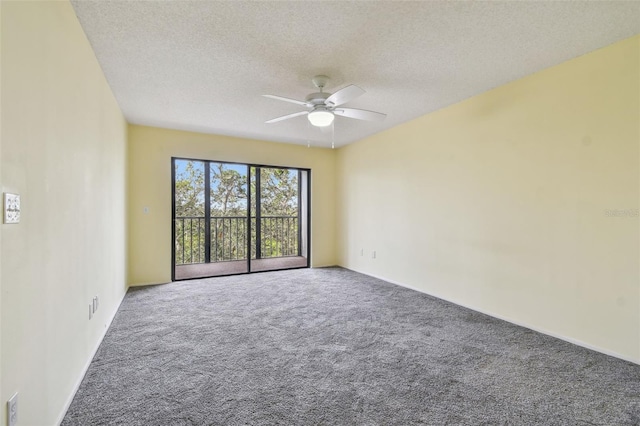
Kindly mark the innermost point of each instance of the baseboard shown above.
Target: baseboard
(88, 363)
(148, 284)
(520, 324)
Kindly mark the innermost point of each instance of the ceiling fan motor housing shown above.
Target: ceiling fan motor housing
(317, 98)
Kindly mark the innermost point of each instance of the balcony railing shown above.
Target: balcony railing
(229, 234)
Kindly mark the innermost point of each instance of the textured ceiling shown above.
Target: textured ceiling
(203, 65)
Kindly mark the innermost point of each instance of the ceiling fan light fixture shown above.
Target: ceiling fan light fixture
(321, 117)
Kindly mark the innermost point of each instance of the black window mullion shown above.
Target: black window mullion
(258, 216)
(248, 236)
(300, 212)
(207, 211)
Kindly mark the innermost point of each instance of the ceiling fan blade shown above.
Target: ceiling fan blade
(293, 101)
(286, 117)
(343, 96)
(360, 114)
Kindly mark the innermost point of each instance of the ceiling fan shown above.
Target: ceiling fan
(323, 107)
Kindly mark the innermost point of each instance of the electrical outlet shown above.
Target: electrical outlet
(373, 254)
(90, 310)
(12, 410)
(97, 302)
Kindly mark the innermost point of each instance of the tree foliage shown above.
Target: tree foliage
(228, 191)
(279, 194)
(189, 191)
(228, 202)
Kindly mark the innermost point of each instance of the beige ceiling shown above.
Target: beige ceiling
(203, 65)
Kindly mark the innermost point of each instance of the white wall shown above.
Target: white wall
(500, 202)
(63, 149)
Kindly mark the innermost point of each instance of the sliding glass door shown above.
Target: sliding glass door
(278, 218)
(237, 218)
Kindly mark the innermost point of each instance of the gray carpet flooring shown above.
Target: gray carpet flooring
(333, 347)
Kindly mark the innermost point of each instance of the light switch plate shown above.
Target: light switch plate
(11, 208)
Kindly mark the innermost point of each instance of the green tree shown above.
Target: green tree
(279, 211)
(228, 196)
(189, 204)
(189, 191)
(228, 201)
(228, 191)
(279, 194)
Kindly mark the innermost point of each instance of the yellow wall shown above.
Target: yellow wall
(2, 409)
(63, 150)
(150, 151)
(500, 202)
